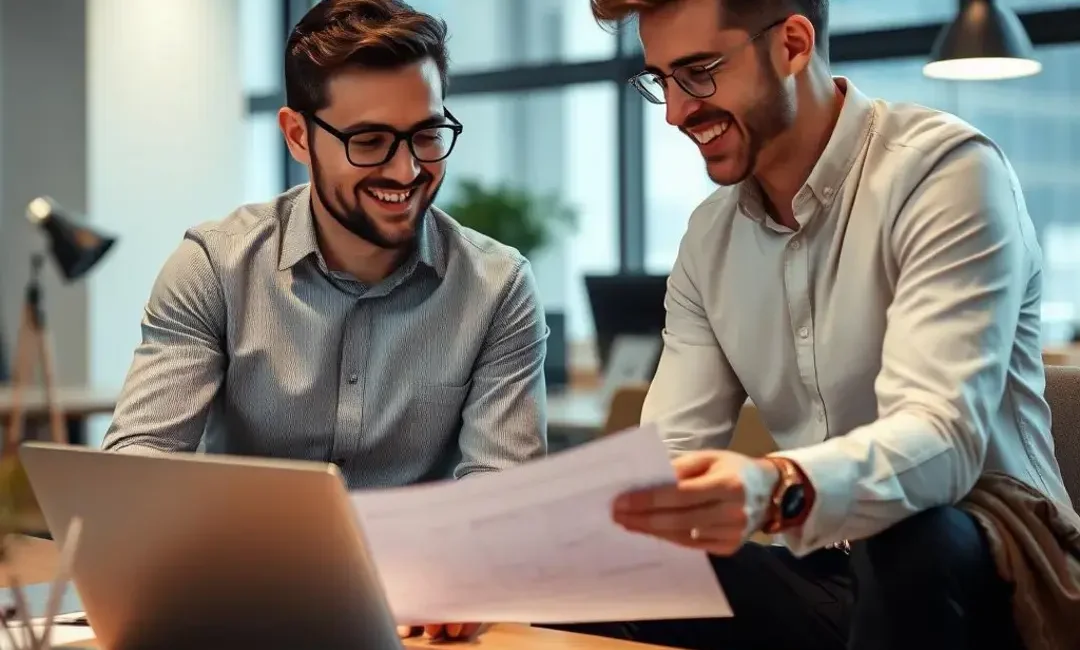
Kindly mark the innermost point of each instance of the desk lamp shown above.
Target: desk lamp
(75, 250)
(986, 42)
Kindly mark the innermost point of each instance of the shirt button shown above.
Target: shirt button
(821, 415)
(795, 245)
(804, 332)
(828, 191)
(353, 378)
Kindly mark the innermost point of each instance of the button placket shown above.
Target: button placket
(350, 406)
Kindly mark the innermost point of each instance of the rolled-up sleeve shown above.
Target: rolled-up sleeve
(504, 419)
(965, 251)
(695, 397)
(179, 364)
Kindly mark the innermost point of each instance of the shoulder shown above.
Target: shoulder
(911, 144)
(251, 231)
(951, 184)
(249, 225)
(478, 260)
(710, 223)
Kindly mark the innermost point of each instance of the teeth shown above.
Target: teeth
(391, 197)
(710, 134)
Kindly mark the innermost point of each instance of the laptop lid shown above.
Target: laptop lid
(190, 550)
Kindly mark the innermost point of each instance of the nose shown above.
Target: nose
(402, 167)
(680, 106)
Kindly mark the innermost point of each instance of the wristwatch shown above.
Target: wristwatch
(791, 499)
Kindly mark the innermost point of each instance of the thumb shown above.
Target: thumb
(691, 465)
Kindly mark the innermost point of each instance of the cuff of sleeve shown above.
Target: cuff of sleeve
(831, 475)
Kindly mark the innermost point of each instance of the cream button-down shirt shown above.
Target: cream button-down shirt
(891, 344)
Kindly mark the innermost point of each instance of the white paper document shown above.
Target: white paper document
(536, 544)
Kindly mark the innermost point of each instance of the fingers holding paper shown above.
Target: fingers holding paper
(718, 500)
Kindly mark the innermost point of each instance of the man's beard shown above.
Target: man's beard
(357, 221)
(768, 116)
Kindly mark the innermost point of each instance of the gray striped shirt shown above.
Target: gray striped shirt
(253, 347)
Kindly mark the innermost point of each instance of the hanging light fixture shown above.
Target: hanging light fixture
(985, 42)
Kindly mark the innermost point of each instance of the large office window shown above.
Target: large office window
(262, 29)
(549, 142)
(675, 183)
(489, 34)
(847, 16)
(541, 89)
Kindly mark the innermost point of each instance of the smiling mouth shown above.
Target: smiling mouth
(710, 133)
(396, 197)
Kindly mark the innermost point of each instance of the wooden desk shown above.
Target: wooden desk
(33, 561)
(574, 414)
(77, 404)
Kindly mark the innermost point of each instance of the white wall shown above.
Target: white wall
(166, 123)
(128, 111)
(42, 151)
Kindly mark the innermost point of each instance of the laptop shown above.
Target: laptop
(198, 551)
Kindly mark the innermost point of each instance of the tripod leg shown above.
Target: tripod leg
(57, 427)
(23, 375)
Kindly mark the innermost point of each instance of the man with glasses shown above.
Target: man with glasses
(868, 275)
(348, 320)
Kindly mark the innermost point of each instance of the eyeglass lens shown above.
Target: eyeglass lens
(696, 82)
(428, 145)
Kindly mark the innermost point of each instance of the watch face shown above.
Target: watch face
(792, 502)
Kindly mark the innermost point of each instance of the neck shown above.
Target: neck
(345, 252)
(784, 169)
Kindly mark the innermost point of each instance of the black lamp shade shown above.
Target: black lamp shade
(985, 42)
(75, 248)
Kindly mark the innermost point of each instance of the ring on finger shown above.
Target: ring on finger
(695, 534)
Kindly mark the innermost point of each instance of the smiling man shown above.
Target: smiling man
(869, 276)
(348, 320)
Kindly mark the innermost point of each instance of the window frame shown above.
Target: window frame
(1045, 27)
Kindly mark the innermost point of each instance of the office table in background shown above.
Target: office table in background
(78, 404)
(574, 415)
(33, 561)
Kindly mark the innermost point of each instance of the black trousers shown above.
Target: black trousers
(927, 583)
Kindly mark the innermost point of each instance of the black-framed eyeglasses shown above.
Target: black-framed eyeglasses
(697, 80)
(371, 146)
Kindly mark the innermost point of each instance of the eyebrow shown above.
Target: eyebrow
(689, 59)
(434, 120)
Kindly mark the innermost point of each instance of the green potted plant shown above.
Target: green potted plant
(524, 220)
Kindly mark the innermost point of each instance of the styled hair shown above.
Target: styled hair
(743, 14)
(336, 35)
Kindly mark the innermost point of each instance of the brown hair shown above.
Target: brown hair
(338, 34)
(743, 14)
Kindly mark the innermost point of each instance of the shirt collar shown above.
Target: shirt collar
(851, 131)
(299, 240)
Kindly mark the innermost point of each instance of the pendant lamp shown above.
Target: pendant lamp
(985, 42)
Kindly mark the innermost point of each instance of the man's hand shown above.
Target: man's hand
(443, 631)
(719, 500)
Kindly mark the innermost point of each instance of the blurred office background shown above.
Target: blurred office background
(152, 116)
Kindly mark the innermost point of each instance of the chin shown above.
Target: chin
(398, 232)
(728, 171)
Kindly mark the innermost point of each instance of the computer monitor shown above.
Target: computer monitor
(625, 304)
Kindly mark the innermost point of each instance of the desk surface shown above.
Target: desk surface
(33, 561)
(577, 411)
(77, 402)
